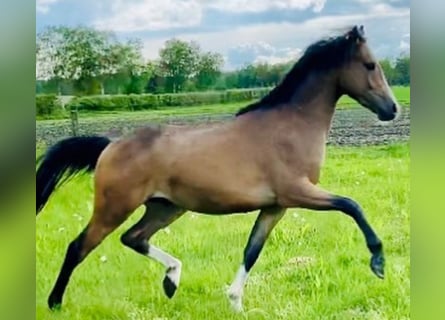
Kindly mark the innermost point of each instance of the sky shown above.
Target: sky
(242, 31)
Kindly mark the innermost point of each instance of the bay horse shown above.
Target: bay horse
(267, 158)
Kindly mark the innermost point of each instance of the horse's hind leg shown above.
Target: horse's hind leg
(159, 214)
(107, 216)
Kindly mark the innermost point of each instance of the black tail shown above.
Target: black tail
(62, 161)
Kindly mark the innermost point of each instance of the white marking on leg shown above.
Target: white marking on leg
(236, 289)
(159, 194)
(172, 264)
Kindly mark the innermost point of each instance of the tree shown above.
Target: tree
(208, 69)
(138, 80)
(230, 80)
(126, 65)
(51, 63)
(179, 60)
(388, 70)
(84, 55)
(248, 77)
(263, 74)
(402, 70)
(156, 81)
(255, 75)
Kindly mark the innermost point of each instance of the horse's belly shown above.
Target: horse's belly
(220, 199)
(218, 176)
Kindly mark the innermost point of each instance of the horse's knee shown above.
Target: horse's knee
(137, 244)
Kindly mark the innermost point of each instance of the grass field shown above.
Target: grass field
(314, 266)
(401, 93)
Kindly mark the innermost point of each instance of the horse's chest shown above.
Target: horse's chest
(301, 163)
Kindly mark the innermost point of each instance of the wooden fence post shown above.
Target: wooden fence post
(74, 122)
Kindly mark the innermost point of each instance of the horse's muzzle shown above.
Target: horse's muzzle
(388, 114)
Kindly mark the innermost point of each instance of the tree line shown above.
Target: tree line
(85, 61)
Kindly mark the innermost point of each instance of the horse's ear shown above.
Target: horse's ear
(361, 31)
(357, 34)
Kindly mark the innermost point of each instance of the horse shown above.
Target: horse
(267, 158)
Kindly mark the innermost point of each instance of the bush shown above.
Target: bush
(155, 101)
(114, 102)
(47, 105)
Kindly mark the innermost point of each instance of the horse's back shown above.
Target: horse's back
(212, 168)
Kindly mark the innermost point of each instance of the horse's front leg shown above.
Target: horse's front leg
(307, 195)
(266, 221)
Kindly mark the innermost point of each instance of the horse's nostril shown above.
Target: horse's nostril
(394, 108)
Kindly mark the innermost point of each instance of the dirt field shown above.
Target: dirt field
(353, 127)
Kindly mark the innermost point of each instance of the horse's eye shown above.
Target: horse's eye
(369, 65)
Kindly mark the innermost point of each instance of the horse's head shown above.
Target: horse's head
(362, 78)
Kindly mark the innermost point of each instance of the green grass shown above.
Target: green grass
(336, 284)
(202, 110)
(401, 93)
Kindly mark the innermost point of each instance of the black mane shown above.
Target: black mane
(321, 56)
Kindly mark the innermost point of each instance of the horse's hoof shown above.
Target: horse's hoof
(169, 286)
(378, 265)
(54, 304)
(235, 302)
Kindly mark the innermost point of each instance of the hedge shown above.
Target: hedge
(47, 105)
(158, 101)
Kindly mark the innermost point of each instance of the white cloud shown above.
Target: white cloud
(43, 6)
(164, 14)
(283, 56)
(385, 26)
(377, 1)
(151, 15)
(259, 52)
(239, 55)
(264, 5)
(144, 15)
(382, 9)
(255, 48)
(404, 46)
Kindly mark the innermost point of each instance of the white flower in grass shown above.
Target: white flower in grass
(301, 261)
(61, 229)
(103, 259)
(167, 230)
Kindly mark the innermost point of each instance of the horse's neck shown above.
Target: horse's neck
(304, 128)
(315, 102)
(310, 110)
